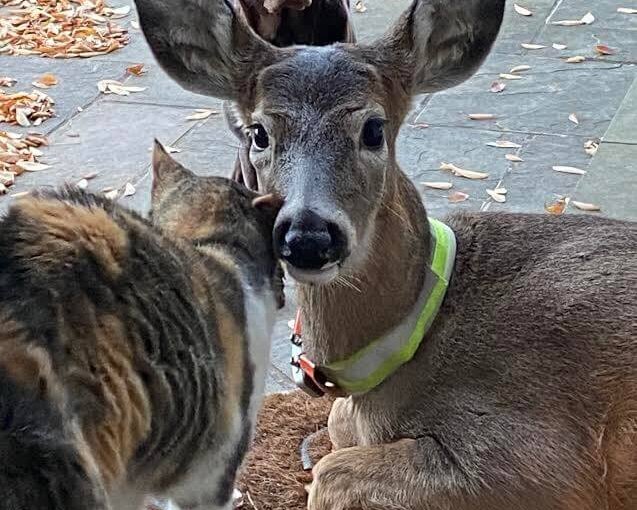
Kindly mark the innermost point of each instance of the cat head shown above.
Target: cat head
(209, 210)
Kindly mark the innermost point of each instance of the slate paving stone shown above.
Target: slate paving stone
(114, 140)
(540, 102)
(77, 85)
(610, 182)
(623, 129)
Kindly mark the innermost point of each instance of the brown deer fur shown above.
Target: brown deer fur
(523, 394)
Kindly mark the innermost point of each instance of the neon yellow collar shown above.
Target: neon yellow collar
(370, 366)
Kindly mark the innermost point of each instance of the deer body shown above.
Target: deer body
(522, 395)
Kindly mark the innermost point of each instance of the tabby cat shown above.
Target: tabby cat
(133, 352)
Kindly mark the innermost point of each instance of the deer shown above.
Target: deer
(486, 361)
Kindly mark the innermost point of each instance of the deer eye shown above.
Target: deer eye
(260, 138)
(373, 135)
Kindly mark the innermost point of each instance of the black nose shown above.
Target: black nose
(307, 241)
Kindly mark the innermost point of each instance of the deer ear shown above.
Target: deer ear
(167, 173)
(437, 44)
(203, 44)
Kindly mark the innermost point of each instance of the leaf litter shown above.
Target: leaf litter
(117, 88)
(456, 197)
(61, 28)
(497, 87)
(587, 19)
(569, 170)
(438, 185)
(26, 108)
(46, 81)
(573, 118)
(522, 11)
(19, 153)
(201, 114)
(584, 206)
(591, 147)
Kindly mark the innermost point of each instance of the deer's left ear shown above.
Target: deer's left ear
(437, 44)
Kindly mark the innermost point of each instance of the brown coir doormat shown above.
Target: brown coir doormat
(273, 477)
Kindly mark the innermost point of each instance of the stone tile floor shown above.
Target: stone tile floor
(112, 135)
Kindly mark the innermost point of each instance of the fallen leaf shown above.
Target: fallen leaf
(461, 172)
(7, 178)
(201, 114)
(602, 49)
(82, 183)
(530, 46)
(171, 150)
(559, 46)
(420, 125)
(627, 10)
(513, 158)
(497, 86)
(110, 193)
(586, 206)
(118, 12)
(504, 144)
(508, 76)
(519, 69)
(438, 185)
(19, 194)
(496, 196)
(5, 81)
(558, 207)
(591, 147)
(136, 70)
(3, 189)
(575, 60)
(117, 88)
(32, 166)
(129, 190)
(46, 81)
(569, 170)
(501, 191)
(573, 118)
(587, 19)
(21, 117)
(359, 6)
(482, 116)
(522, 11)
(135, 24)
(457, 196)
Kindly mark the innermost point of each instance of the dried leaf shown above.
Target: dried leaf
(19, 194)
(171, 150)
(32, 166)
(587, 19)
(46, 81)
(501, 191)
(514, 158)
(3, 189)
(457, 196)
(461, 172)
(5, 81)
(136, 70)
(117, 88)
(129, 190)
(110, 193)
(438, 185)
(21, 117)
(591, 147)
(359, 6)
(497, 86)
(530, 46)
(201, 114)
(627, 10)
(82, 183)
(573, 118)
(558, 207)
(507, 76)
(496, 196)
(119, 12)
(482, 116)
(602, 49)
(7, 178)
(586, 206)
(559, 46)
(569, 170)
(519, 69)
(575, 60)
(522, 11)
(135, 24)
(420, 125)
(504, 144)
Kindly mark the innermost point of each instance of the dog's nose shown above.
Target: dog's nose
(307, 241)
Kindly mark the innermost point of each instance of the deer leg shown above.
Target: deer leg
(341, 424)
(417, 474)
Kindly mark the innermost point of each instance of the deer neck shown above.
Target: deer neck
(342, 318)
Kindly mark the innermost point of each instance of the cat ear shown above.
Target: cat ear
(167, 173)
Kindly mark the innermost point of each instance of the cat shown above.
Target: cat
(133, 351)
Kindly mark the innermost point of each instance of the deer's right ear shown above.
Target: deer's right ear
(203, 45)
(437, 44)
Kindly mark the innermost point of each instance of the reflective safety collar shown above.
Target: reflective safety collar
(370, 366)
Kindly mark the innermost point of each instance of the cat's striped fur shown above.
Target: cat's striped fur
(132, 352)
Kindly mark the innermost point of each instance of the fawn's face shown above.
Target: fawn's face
(322, 120)
(326, 150)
